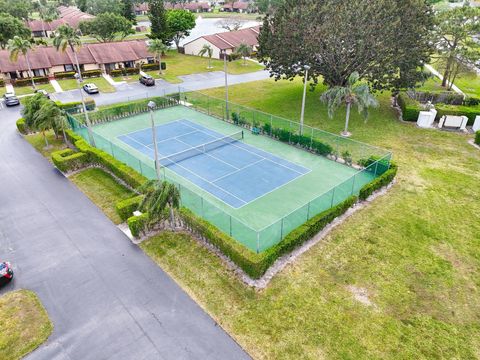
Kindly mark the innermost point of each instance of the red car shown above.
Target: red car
(6, 272)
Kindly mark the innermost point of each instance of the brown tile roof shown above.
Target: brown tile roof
(232, 39)
(102, 53)
(237, 5)
(68, 15)
(142, 7)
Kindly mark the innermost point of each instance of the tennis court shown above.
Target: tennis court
(252, 187)
(224, 166)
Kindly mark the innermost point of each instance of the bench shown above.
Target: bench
(256, 130)
(452, 121)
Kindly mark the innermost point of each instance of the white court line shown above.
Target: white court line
(239, 169)
(175, 137)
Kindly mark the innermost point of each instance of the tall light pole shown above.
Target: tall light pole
(302, 116)
(224, 52)
(78, 76)
(151, 106)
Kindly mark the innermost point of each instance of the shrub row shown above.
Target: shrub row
(125, 208)
(28, 81)
(2, 82)
(137, 224)
(69, 160)
(477, 137)
(97, 156)
(154, 66)
(123, 72)
(71, 74)
(302, 141)
(76, 106)
(410, 108)
(461, 110)
(445, 97)
(381, 181)
(22, 127)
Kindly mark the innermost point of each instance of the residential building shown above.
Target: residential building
(237, 6)
(47, 60)
(224, 42)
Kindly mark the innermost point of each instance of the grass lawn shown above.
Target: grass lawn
(179, 64)
(102, 84)
(38, 142)
(24, 322)
(218, 14)
(25, 90)
(102, 189)
(415, 251)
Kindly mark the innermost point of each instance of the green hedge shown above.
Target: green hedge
(64, 75)
(477, 137)
(76, 106)
(28, 81)
(137, 224)
(255, 265)
(459, 110)
(381, 181)
(91, 73)
(2, 82)
(124, 72)
(410, 108)
(69, 160)
(21, 126)
(125, 208)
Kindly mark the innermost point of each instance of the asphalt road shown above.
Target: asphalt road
(135, 91)
(106, 298)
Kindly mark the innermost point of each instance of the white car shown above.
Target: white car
(90, 88)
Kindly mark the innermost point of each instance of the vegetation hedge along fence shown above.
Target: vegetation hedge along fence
(378, 183)
(97, 156)
(410, 108)
(69, 160)
(154, 66)
(76, 106)
(137, 224)
(28, 81)
(461, 110)
(125, 208)
(477, 137)
(22, 127)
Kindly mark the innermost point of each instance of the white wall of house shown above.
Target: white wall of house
(194, 47)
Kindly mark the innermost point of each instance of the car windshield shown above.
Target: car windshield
(9, 96)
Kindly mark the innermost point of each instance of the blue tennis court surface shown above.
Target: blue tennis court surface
(227, 168)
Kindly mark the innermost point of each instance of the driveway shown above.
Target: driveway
(135, 91)
(107, 300)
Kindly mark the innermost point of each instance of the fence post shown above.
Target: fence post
(311, 139)
(271, 125)
(333, 196)
(258, 241)
(140, 166)
(308, 211)
(111, 148)
(353, 184)
(376, 167)
(281, 230)
(230, 225)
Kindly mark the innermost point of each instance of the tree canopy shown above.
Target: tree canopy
(11, 27)
(158, 19)
(106, 27)
(128, 12)
(17, 8)
(386, 42)
(179, 24)
(96, 7)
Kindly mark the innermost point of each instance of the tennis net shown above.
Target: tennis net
(200, 149)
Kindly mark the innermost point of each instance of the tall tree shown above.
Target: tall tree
(179, 24)
(18, 46)
(106, 27)
(157, 47)
(158, 19)
(207, 50)
(17, 8)
(268, 6)
(49, 116)
(96, 7)
(352, 93)
(453, 32)
(244, 50)
(338, 37)
(32, 106)
(10, 27)
(128, 11)
(82, 5)
(161, 198)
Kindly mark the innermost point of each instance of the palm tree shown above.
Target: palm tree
(244, 50)
(207, 50)
(18, 45)
(160, 198)
(45, 118)
(157, 47)
(353, 93)
(67, 37)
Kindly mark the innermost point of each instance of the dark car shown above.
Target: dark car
(10, 99)
(90, 88)
(6, 273)
(43, 92)
(147, 80)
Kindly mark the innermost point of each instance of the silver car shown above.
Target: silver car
(10, 99)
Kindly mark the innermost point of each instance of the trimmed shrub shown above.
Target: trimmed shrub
(477, 137)
(125, 208)
(22, 127)
(153, 66)
(92, 73)
(461, 110)
(472, 101)
(130, 71)
(163, 66)
(116, 72)
(381, 181)
(2, 82)
(64, 75)
(137, 224)
(28, 81)
(410, 108)
(76, 106)
(69, 160)
(305, 142)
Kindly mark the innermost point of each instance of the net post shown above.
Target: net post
(376, 167)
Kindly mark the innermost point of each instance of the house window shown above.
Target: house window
(150, 60)
(68, 67)
(128, 64)
(13, 75)
(39, 72)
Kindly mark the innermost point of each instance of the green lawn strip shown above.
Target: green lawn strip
(222, 15)
(179, 64)
(102, 84)
(38, 142)
(414, 251)
(102, 189)
(24, 322)
(25, 90)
